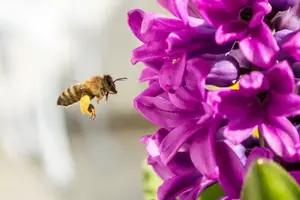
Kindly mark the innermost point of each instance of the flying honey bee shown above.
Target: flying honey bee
(96, 86)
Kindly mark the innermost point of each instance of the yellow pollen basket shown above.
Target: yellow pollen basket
(84, 104)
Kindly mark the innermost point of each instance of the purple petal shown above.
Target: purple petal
(171, 74)
(253, 83)
(239, 130)
(282, 36)
(289, 19)
(260, 47)
(161, 170)
(183, 99)
(234, 6)
(148, 74)
(151, 26)
(231, 31)
(196, 71)
(281, 78)
(282, 142)
(175, 139)
(292, 46)
(282, 4)
(202, 152)
(194, 194)
(155, 64)
(178, 185)
(148, 52)
(161, 112)
(259, 152)
(153, 90)
(214, 12)
(181, 164)
(296, 175)
(283, 105)
(235, 105)
(224, 72)
(260, 9)
(231, 170)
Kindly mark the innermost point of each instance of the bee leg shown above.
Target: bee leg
(106, 96)
(92, 111)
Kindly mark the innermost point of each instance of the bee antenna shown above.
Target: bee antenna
(120, 79)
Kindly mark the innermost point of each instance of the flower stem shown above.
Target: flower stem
(261, 139)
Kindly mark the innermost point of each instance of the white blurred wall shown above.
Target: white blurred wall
(46, 46)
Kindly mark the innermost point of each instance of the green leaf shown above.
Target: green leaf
(213, 192)
(266, 180)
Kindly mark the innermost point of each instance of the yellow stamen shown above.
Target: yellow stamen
(174, 61)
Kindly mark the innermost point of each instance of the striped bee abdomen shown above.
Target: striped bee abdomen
(70, 96)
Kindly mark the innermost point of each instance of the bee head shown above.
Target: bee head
(109, 84)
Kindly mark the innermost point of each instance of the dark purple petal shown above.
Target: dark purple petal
(260, 9)
(178, 185)
(231, 170)
(281, 78)
(161, 112)
(148, 74)
(292, 46)
(296, 175)
(194, 194)
(239, 130)
(282, 36)
(181, 164)
(282, 141)
(224, 72)
(183, 99)
(241, 59)
(175, 139)
(283, 105)
(153, 90)
(253, 83)
(258, 152)
(202, 152)
(231, 31)
(161, 170)
(260, 47)
(171, 74)
(214, 12)
(282, 4)
(148, 52)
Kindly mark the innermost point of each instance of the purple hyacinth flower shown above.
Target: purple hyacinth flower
(180, 177)
(232, 172)
(263, 101)
(243, 21)
(169, 43)
(187, 115)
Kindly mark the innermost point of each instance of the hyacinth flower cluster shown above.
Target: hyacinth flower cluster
(223, 87)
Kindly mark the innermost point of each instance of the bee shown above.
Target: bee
(95, 87)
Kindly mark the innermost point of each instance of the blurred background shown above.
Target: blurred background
(51, 153)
